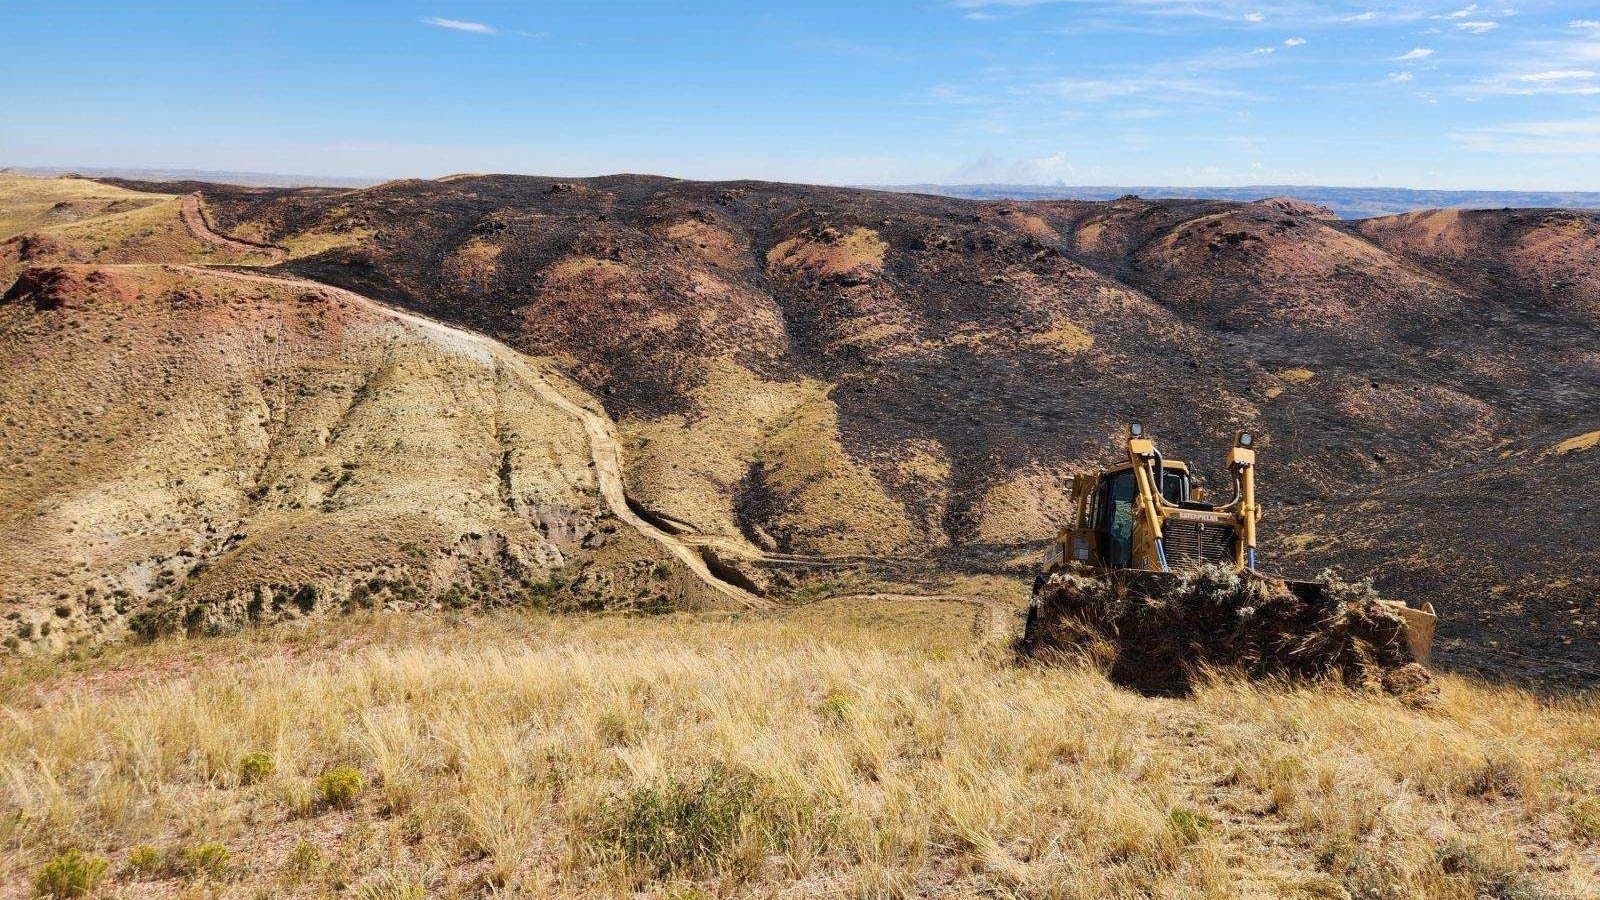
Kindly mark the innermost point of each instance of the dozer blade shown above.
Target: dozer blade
(1419, 623)
(1154, 630)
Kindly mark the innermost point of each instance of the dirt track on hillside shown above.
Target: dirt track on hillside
(604, 445)
(195, 218)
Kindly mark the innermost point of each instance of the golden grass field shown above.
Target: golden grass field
(513, 755)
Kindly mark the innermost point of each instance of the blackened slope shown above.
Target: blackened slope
(988, 349)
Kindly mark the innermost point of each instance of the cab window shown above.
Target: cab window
(1117, 514)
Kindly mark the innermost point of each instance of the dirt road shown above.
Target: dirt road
(604, 446)
(195, 218)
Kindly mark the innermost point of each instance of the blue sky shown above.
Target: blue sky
(1180, 92)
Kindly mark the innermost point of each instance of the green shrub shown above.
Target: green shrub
(338, 787)
(720, 824)
(204, 861)
(256, 767)
(72, 874)
(1187, 826)
(835, 707)
(145, 861)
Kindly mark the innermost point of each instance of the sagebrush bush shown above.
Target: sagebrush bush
(72, 874)
(338, 787)
(203, 861)
(1187, 826)
(145, 861)
(256, 767)
(718, 824)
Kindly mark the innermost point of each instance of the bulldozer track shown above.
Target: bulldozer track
(604, 446)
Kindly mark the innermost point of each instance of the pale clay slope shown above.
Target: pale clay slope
(372, 448)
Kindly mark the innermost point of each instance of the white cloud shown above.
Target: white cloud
(1367, 16)
(1461, 13)
(1483, 26)
(1399, 77)
(458, 25)
(1585, 24)
(1558, 75)
(1415, 53)
(1254, 17)
(1567, 137)
(1263, 51)
(1294, 42)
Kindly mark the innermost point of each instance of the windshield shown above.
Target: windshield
(1121, 493)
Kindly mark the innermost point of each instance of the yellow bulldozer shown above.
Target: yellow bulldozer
(1145, 522)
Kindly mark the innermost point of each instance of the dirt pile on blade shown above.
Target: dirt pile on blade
(1160, 634)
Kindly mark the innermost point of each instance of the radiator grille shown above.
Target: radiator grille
(1191, 544)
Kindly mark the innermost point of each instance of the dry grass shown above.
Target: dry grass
(1586, 441)
(28, 203)
(74, 220)
(830, 253)
(539, 757)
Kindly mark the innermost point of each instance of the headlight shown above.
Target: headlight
(1246, 439)
(1135, 429)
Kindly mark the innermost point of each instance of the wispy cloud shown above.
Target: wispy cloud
(1561, 137)
(1478, 26)
(1415, 53)
(1567, 66)
(1294, 42)
(1560, 82)
(459, 25)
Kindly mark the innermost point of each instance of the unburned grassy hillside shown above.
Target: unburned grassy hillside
(404, 756)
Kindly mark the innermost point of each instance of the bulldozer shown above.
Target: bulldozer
(1144, 524)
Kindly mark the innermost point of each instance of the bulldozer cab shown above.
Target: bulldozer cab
(1106, 532)
(1114, 505)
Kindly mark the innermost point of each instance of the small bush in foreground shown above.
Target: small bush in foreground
(72, 874)
(722, 823)
(1187, 826)
(145, 861)
(204, 861)
(339, 787)
(255, 768)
